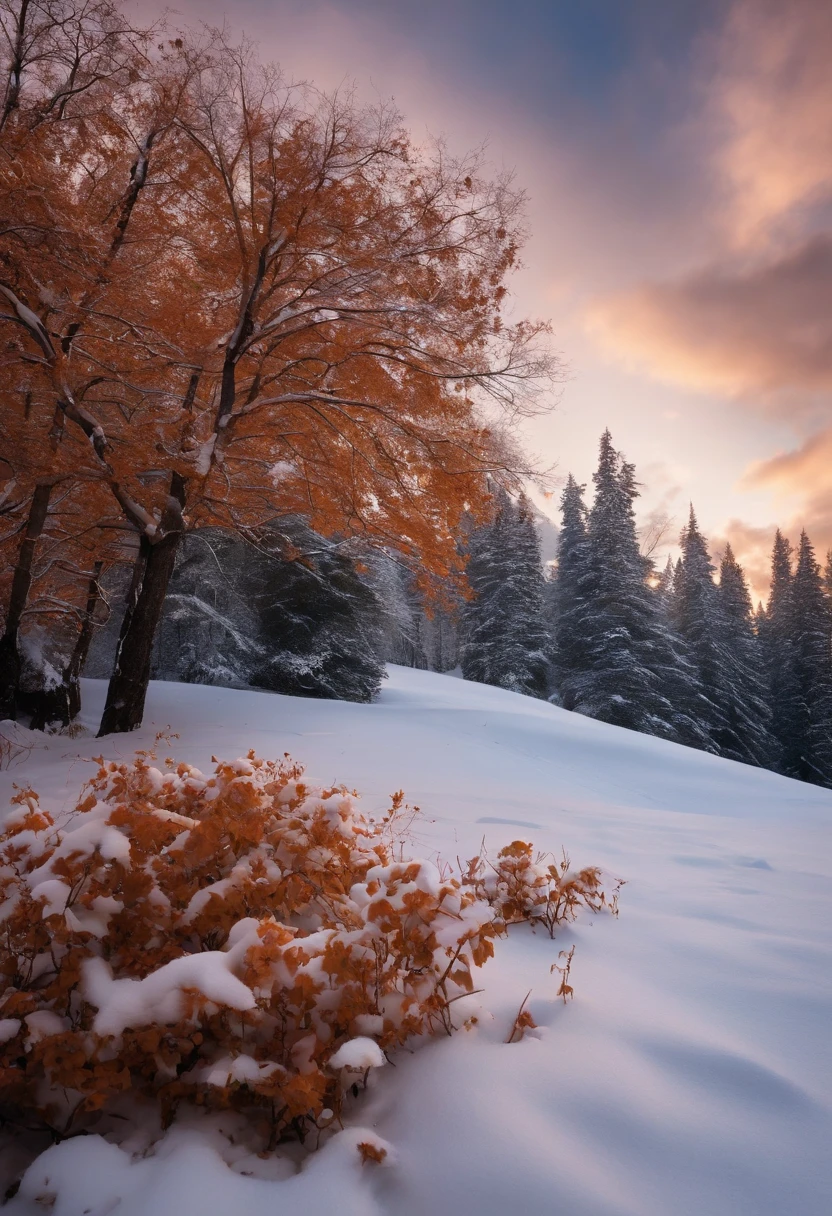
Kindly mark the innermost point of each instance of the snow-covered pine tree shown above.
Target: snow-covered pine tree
(505, 640)
(402, 613)
(320, 622)
(285, 610)
(420, 616)
(439, 630)
(673, 601)
(567, 598)
(664, 588)
(529, 649)
(810, 635)
(760, 626)
(775, 631)
(210, 630)
(637, 675)
(698, 617)
(481, 626)
(746, 704)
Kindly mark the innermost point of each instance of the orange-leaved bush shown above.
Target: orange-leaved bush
(237, 940)
(525, 886)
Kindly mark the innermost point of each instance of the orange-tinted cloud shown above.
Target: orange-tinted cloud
(771, 105)
(804, 474)
(790, 472)
(756, 316)
(801, 476)
(759, 330)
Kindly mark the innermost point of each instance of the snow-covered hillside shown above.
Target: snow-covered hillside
(691, 1074)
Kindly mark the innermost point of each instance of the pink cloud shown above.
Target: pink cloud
(758, 330)
(802, 474)
(771, 107)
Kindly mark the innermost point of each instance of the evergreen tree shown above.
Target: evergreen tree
(482, 625)
(286, 611)
(321, 623)
(567, 599)
(810, 636)
(715, 624)
(664, 590)
(528, 652)
(637, 674)
(746, 706)
(759, 622)
(401, 609)
(776, 635)
(210, 630)
(420, 617)
(698, 620)
(676, 598)
(504, 636)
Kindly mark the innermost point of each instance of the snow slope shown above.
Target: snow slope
(691, 1074)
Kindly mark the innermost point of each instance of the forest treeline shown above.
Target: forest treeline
(228, 300)
(681, 654)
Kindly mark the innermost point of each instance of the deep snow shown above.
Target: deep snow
(691, 1074)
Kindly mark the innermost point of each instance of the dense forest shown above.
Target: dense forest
(680, 653)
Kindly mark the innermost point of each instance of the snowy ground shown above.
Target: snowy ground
(692, 1073)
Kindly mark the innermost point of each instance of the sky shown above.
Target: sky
(677, 156)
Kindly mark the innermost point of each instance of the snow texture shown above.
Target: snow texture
(159, 996)
(691, 1073)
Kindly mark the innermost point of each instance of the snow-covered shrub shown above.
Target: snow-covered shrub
(522, 885)
(239, 939)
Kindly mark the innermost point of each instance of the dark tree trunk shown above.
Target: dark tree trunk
(18, 598)
(82, 646)
(48, 706)
(127, 691)
(63, 703)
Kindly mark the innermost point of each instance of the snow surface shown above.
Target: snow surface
(691, 1074)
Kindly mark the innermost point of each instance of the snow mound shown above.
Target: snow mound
(358, 1054)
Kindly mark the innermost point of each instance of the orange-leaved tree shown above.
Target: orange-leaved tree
(78, 152)
(303, 317)
(358, 285)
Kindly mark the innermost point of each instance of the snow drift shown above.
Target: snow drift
(691, 1073)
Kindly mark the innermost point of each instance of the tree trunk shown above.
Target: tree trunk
(48, 706)
(18, 598)
(63, 702)
(127, 691)
(82, 646)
